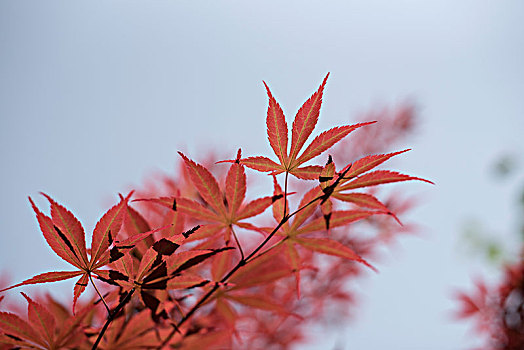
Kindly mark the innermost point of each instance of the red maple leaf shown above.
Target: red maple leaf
(303, 125)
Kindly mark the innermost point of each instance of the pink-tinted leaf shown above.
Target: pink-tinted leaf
(134, 222)
(206, 184)
(168, 202)
(175, 222)
(177, 260)
(305, 120)
(337, 218)
(294, 262)
(251, 227)
(130, 241)
(331, 247)
(221, 265)
(263, 164)
(276, 128)
(257, 301)
(12, 325)
(206, 231)
(327, 207)
(121, 246)
(325, 140)
(126, 266)
(137, 333)
(179, 265)
(186, 280)
(80, 287)
(41, 320)
(71, 332)
(71, 228)
(364, 200)
(235, 187)
(227, 312)
(268, 276)
(106, 229)
(310, 172)
(195, 210)
(306, 213)
(256, 206)
(218, 339)
(367, 163)
(17, 344)
(56, 239)
(47, 277)
(123, 273)
(262, 270)
(378, 177)
(327, 175)
(148, 261)
(186, 206)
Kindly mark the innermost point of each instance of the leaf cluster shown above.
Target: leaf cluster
(214, 264)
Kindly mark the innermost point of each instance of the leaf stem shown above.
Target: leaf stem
(238, 243)
(285, 195)
(99, 294)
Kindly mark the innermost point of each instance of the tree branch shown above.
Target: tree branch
(327, 192)
(111, 316)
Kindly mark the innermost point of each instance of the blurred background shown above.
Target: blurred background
(94, 97)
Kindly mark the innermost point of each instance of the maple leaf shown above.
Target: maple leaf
(42, 330)
(224, 209)
(66, 237)
(356, 175)
(304, 222)
(303, 125)
(135, 224)
(162, 267)
(164, 271)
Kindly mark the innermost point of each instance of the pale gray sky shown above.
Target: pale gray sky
(94, 96)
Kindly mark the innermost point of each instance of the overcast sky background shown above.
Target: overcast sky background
(94, 96)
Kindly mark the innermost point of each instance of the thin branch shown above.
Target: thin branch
(224, 279)
(176, 327)
(238, 242)
(111, 316)
(282, 222)
(327, 192)
(268, 249)
(179, 309)
(99, 294)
